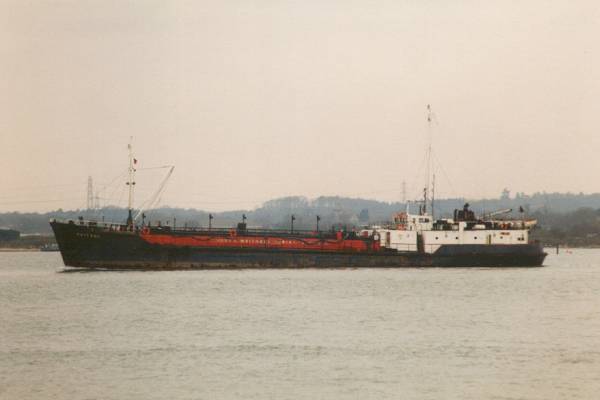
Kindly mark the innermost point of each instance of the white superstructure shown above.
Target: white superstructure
(424, 233)
(419, 232)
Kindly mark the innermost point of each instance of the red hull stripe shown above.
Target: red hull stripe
(254, 242)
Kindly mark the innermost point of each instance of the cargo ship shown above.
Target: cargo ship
(408, 240)
(414, 241)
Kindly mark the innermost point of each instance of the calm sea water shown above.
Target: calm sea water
(300, 334)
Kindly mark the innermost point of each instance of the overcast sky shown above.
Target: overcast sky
(252, 100)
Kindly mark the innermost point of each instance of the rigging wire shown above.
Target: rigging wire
(156, 196)
(418, 177)
(112, 181)
(150, 168)
(441, 168)
(114, 211)
(96, 212)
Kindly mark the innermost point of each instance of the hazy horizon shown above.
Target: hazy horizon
(477, 203)
(257, 100)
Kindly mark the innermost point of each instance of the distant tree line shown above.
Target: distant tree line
(572, 219)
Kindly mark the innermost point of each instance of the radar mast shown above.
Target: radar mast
(130, 183)
(428, 160)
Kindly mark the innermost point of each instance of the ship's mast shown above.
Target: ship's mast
(131, 184)
(433, 197)
(428, 156)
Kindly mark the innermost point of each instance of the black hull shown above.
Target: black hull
(89, 247)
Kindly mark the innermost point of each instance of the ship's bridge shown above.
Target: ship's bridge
(413, 222)
(420, 232)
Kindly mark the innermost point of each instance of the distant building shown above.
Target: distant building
(7, 235)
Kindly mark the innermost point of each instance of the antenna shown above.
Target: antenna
(130, 182)
(428, 155)
(432, 197)
(404, 191)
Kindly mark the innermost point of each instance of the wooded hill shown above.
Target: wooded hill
(572, 219)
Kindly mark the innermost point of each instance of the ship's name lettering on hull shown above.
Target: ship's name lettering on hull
(88, 235)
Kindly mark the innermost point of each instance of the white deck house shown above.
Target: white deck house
(411, 232)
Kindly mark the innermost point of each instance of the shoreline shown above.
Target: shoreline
(18, 249)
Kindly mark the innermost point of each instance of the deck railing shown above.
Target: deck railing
(118, 226)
